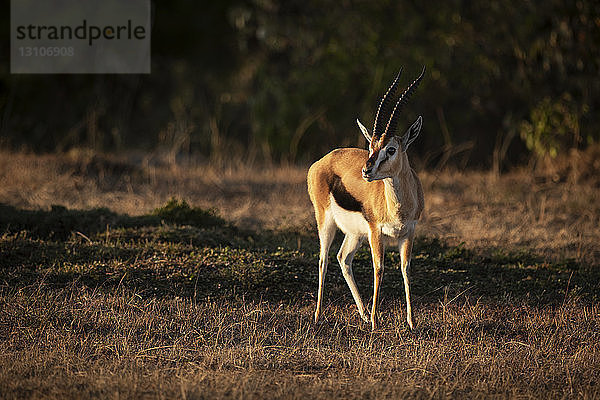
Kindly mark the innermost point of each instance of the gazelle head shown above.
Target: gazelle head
(387, 151)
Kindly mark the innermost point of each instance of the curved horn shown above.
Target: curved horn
(384, 105)
(392, 123)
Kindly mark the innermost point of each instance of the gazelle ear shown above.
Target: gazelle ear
(364, 131)
(412, 133)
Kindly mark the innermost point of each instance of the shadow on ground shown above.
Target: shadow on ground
(179, 250)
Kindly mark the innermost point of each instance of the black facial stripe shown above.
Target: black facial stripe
(341, 195)
(371, 161)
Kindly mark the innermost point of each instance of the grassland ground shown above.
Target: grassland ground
(109, 289)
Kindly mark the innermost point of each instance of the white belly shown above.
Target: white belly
(354, 223)
(351, 222)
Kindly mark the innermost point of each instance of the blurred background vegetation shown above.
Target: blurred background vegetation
(271, 81)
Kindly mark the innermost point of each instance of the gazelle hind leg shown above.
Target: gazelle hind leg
(405, 253)
(326, 234)
(345, 256)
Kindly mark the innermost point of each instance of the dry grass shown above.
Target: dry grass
(515, 212)
(76, 342)
(505, 274)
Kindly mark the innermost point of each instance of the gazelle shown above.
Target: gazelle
(384, 198)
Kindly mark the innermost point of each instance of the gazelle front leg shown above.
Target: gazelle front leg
(405, 247)
(377, 255)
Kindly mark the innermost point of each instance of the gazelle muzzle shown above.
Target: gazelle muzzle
(367, 171)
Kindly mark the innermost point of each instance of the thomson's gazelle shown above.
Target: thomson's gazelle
(369, 194)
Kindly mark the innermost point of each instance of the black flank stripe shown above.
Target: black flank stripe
(341, 195)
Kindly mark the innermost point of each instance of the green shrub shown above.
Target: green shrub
(553, 126)
(180, 212)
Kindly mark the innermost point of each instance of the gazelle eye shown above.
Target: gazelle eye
(391, 151)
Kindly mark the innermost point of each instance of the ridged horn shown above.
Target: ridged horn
(392, 124)
(383, 107)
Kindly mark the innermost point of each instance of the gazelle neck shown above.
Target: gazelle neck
(393, 195)
(395, 186)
